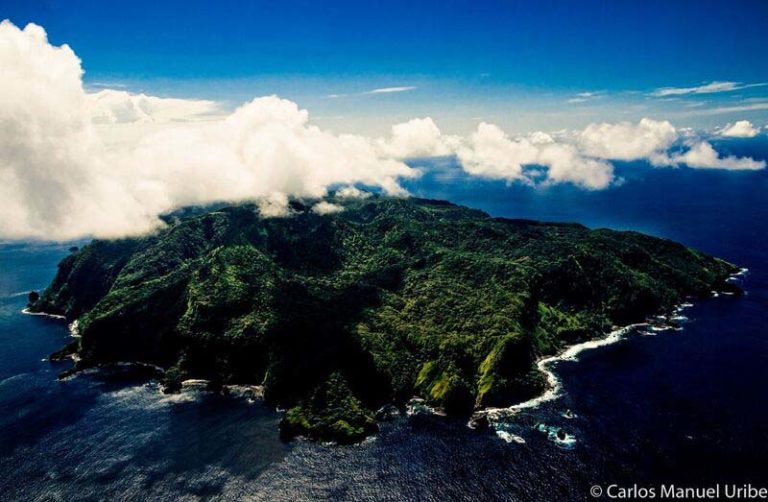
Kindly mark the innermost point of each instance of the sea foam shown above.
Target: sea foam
(43, 314)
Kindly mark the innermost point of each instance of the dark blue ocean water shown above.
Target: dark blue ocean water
(688, 406)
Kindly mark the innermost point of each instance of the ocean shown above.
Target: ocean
(686, 407)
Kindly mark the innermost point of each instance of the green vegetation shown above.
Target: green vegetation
(332, 412)
(337, 315)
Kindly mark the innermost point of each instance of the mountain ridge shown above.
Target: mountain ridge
(338, 314)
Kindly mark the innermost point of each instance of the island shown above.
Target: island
(347, 305)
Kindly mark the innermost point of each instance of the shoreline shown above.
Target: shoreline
(26, 311)
(73, 326)
(497, 415)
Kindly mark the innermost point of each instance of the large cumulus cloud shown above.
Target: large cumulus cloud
(53, 181)
(60, 179)
(489, 152)
(264, 147)
(627, 141)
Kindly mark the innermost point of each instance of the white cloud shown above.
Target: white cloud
(120, 107)
(583, 97)
(263, 147)
(122, 118)
(650, 140)
(325, 207)
(416, 138)
(53, 181)
(274, 205)
(388, 90)
(583, 157)
(567, 165)
(350, 192)
(703, 155)
(490, 153)
(59, 179)
(710, 88)
(740, 129)
(380, 90)
(749, 107)
(626, 141)
(540, 138)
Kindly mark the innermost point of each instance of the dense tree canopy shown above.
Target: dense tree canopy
(338, 314)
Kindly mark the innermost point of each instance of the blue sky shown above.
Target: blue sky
(178, 104)
(524, 65)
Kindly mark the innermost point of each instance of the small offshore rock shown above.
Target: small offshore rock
(33, 297)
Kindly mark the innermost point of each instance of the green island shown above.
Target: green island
(381, 300)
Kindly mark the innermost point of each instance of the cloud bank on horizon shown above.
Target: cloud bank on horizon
(75, 163)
